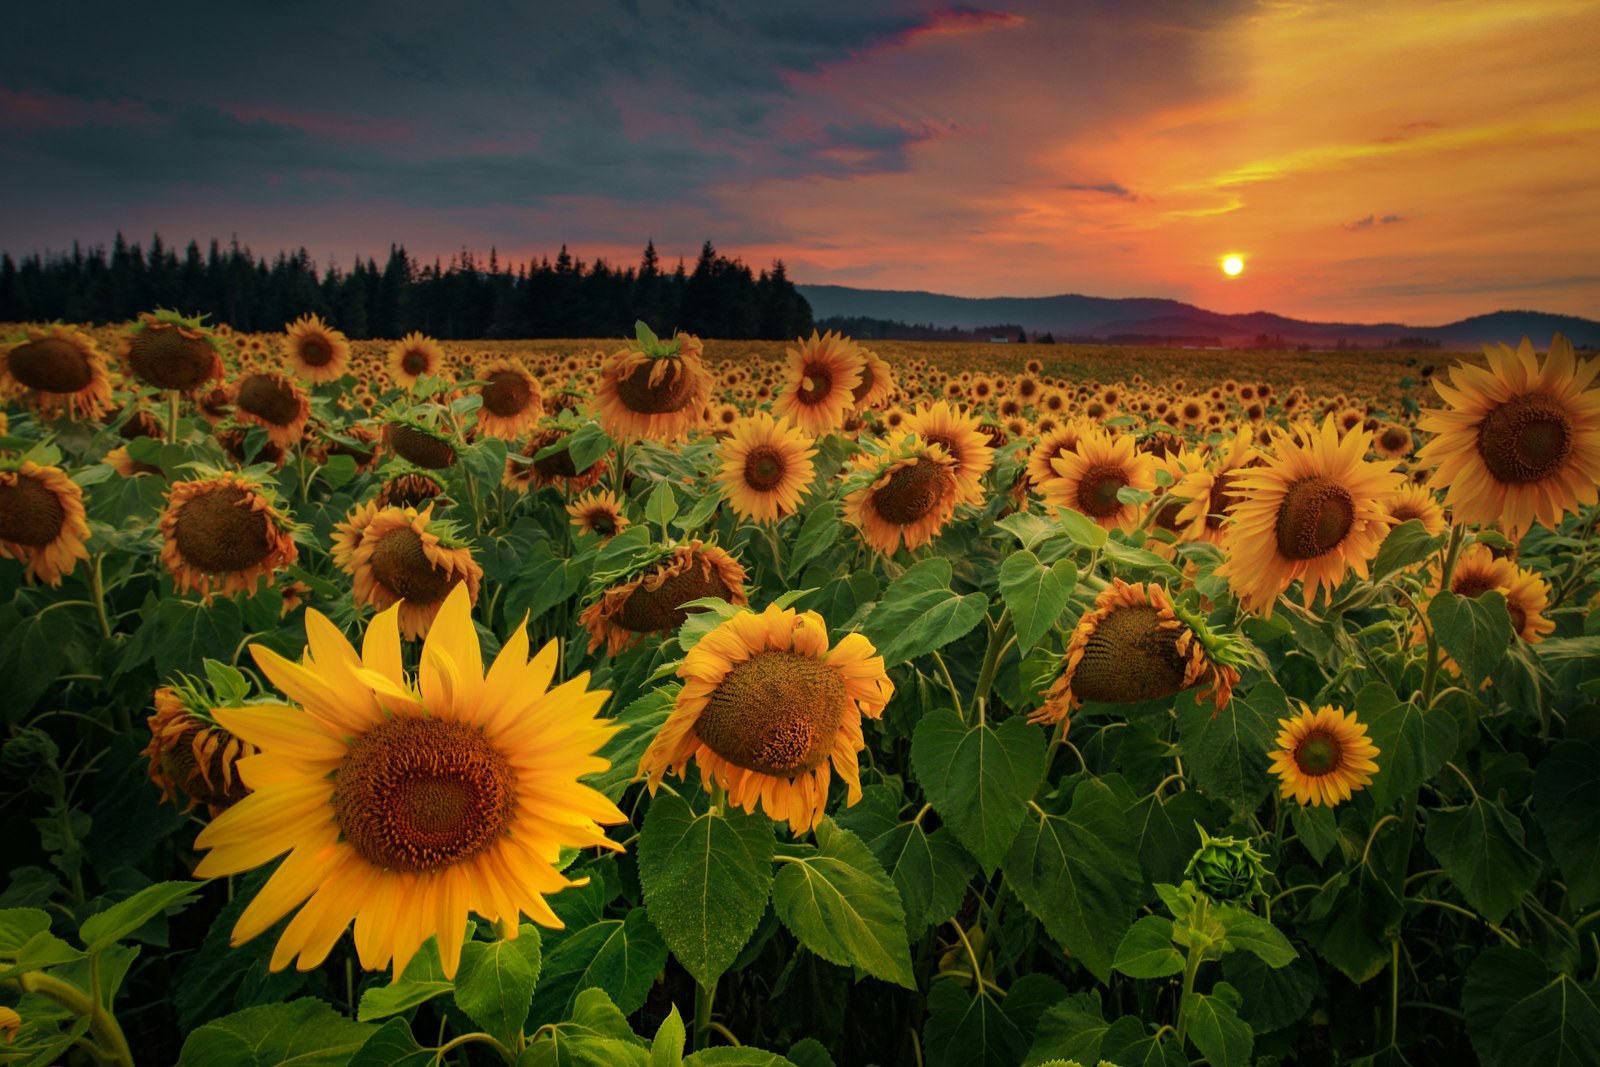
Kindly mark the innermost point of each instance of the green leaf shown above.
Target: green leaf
(1413, 745)
(819, 532)
(1274, 997)
(1036, 594)
(661, 505)
(495, 983)
(979, 779)
(1029, 528)
(1227, 749)
(1518, 1013)
(596, 1034)
(929, 870)
(965, 1031)
(1474, 630)
(1317, 828)
(667, 1048)
(1129, 1043)
(1166, 830)
(1071, 1030)
(38, 952)
(619, 956)
(1406, 544)
(1353, 922)
(337, 470)
(841, 905)
(920, 613)
(1080, 528)
(393, 1045)
(421, 981)
(1566, 801)
(1480, 847)
(302, 1033)
(187, 631)
(706, 879)
(1077, 875)
(727, 1056)
(120, 920)
(1147, 951)
(641, 720)
(1216, 1029)
(1255, 935)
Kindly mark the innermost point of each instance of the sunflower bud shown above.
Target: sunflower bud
(1226, 868)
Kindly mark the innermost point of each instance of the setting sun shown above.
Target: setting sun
(1232, 266)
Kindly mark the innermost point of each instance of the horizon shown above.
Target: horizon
(1020, 150)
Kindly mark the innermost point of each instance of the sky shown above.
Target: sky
(1369, 160)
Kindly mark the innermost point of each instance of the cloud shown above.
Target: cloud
(1116, 189)
(1370, 221)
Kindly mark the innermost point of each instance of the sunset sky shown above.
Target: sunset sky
(1414, 161)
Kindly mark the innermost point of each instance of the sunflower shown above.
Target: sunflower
(1209, 487)
(1520, 442)
(1052, 446)
(511, 400)
(1412, 501)
(413, 357)
(406, 802)
(766, 466)
(648, 597)
(222, 534)
(1088, 478)
(348, 532)
(1393, 442)
(1134, 645)
(908, 492)
(1479, 570)
(42, 521)
(418, 444)
(169, 351)
(1315, 512)
(317, 352)
(408, 489)
(58, 371)
(402, 560)
(819, 382)
(653, 389)
(875, 386)
(768, 711)
(963, 439)
(599, 512)
(191, 754)
(275, 403)
(1323, 756)
(524, 472)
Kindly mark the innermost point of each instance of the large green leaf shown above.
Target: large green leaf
(837, 899)
(1352, 922)
(1164, 828)
(1566, 800)
(1274, 997)
(304, 1033)
(1227, 750)
(706, 880)
(1035, 593)
(1413, 745)
(931, 871)
(1071, 1030)
(819, 531)
(26, 943)
(495, 983)
(122, 919)
(979, 779)
(620, 956)
(1216, 1029)
(595, 1034)
(967, 1031)
(919, 613)
(640, 721)
(1078, 876)
(1253, 934)
(188, 631)
(1519, 1013)
(1474, 630)
(1480, 847)
(421, 981)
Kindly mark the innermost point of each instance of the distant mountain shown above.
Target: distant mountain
(1085, 317)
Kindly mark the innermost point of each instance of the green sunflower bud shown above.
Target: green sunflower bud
(1226, 868)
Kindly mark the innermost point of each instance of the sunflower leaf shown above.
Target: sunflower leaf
(1406, 544)
(305, 1032)
(979, 779)
(1474, 630)
(1413, 745)
(1036, 594)
(1480, 847)
(1519, 1012)
(496, 981)
(1566, 799)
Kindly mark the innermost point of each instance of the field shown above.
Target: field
(660, 701)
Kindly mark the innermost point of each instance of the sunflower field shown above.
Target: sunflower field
(658, 701)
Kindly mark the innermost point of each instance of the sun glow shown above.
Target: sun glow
(1233, 266)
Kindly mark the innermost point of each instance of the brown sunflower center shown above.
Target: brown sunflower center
(1128, 658)
(219, 532)
(506, 394)
(913, 492)
(269, 398)
(674, 391)
(30, 513)
(1097, 490)
(653, 610)
(1394, 439)
(868, 379)
(315, 352)
(1167, 515)
(1314, 518)
(1222, 498)
(399, 562)
(764, 468)
(816, 382)
(777, 713)
(51, 365)
(420, 447)
(1318, 753)
(1402, 512)
(166, 359)
(1527, 438)
(602, 522)
(418, 794)
(415, 361)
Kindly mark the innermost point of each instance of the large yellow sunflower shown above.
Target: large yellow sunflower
(960, 436)
(275, 403)
(222, 534)
(1088, 478)
(768, 711)
(57, 370)
(1315, 512)
(1323, 756)
(1520, 442)
(652, 389)
(512, 404)
(413, 357)
(766, 467)
(907, 492)
(317, 352)
(402, 560)
(408, 802)
(819, 382)
(648, 599)
(169, 351)
(42, 521)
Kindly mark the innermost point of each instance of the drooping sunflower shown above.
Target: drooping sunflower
(170, 351)
(191, 754)
(766, 467)
(1323, 756)
(876, 384)
(1412, 501)
(769, 712)
(905, 493)
(276, 403)
(524, 472)
(599, 512)
(408, 489)
(647, 598)
(819, 382)
(512, 404)
(1088, 478)
(652, 389)
(1209, 487)
(317, 352)
(960, 436)
(1136, 644)
(57, 370)
(419, 444)
(404, 802)
(42, 521)
(1520, 441)
(1315, 512)
(413, 357)
(406, 557)
(222, 534)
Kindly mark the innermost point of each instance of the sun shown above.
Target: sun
(1233, 266)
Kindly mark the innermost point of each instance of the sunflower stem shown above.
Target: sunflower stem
(172, 416)
(102, 1024)
(955, 695)
(97, 592)
(991, 659)
(704, 996)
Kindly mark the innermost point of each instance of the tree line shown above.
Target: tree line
(466, 298)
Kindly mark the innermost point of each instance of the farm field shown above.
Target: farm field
(658, 700)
